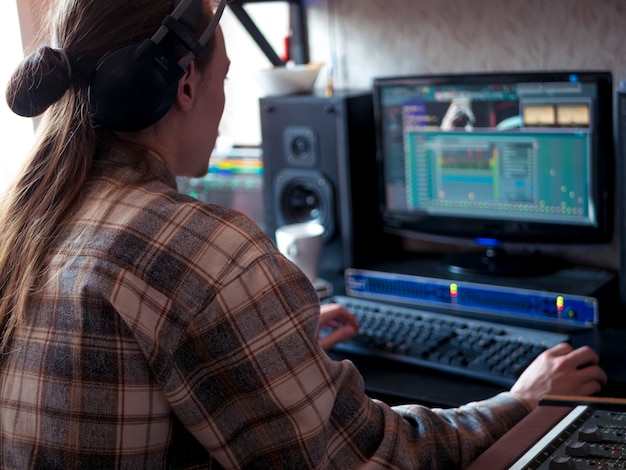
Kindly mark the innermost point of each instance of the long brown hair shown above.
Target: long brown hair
(53, 79)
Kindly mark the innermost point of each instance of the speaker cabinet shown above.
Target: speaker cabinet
(621, 186)
(319, 163)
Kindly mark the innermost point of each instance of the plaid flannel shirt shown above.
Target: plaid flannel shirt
(170, 333)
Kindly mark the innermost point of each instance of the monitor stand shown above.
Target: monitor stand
(496, 261)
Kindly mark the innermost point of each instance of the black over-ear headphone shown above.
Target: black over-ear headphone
(133, 87)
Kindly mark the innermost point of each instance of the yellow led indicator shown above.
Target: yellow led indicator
(560, 303)
(453, 290)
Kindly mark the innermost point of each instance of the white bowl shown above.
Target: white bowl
(289, 79)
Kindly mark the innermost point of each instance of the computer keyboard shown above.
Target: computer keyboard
(485, 350)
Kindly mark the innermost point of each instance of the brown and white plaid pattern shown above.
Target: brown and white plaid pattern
(171, 333)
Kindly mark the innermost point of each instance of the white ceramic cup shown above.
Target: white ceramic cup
(302, 244)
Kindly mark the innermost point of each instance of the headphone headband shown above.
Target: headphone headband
(178, 12)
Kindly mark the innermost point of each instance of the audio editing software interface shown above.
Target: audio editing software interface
(483, 169)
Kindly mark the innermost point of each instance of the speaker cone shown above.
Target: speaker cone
(304, 196)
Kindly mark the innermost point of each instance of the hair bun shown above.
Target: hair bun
(40, 80)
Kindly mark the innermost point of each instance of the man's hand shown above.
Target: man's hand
(561, 370)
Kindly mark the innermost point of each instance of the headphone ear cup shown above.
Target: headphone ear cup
(133, 87)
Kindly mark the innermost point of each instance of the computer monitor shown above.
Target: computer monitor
(497, 159)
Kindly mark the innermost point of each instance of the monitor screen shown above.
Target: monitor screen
(497, 157)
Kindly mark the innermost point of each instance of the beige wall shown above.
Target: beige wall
(380, 37)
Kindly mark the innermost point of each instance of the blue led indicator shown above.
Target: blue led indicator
(487, 241)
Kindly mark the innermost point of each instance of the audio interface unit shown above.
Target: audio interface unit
(567, 298)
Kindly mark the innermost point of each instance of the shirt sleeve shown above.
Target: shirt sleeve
(251, 383)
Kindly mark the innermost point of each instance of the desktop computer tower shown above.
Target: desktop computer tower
(319, 163)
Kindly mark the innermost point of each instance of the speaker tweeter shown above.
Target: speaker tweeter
(301, 146)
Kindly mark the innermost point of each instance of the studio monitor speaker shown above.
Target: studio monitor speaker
(319, 163)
